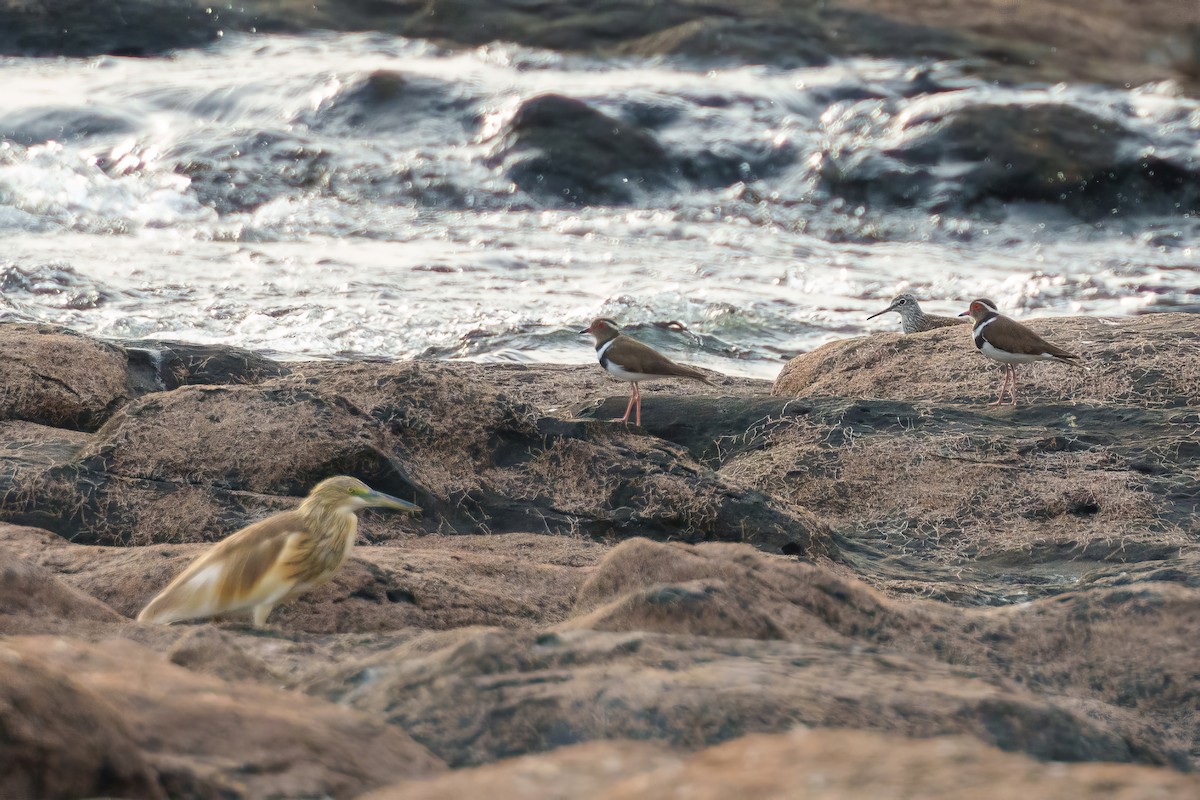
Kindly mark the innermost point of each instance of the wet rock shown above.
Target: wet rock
(786, 44)
(61, 740)
(959, 157)
(562, 150)
(244, 172)
(385, 102)
(40, 125)
(156, 366)
(828, 764)
(110, 27)
(53, 377)
(1125, 45)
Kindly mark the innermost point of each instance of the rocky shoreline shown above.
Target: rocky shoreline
(863, 546)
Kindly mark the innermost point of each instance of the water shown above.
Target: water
(265, 193)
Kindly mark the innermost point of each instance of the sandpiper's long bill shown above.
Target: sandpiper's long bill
(629, 360)
(912, 318)
(1009, 342)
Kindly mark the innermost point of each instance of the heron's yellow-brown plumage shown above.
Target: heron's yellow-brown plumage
(274, 560)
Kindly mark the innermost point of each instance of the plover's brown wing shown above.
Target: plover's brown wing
(244, 570)
(1013, 337)
(633, 356)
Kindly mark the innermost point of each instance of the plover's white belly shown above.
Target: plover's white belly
(1011, 358)
(617, 371)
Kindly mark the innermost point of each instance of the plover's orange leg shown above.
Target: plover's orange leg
(1012, 388)
(638, 393)
(1003, 385)
(628, 408)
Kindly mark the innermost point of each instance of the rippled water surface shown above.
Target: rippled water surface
(274, 193)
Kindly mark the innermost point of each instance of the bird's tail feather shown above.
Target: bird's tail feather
(688, 372)
(194, 597)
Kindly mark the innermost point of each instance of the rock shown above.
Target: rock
(386, 101)
(562, 150)
(1149, 360)
(1125, 45)
(215, 653)
(197, 462)
(957, 157)
(738, 41)
(54, 377)
(34, 600)
(111, 27)
(724, 591)
(826, 764)
(156, 366)
(210, 738)
(474, 696)
(62, 740)
(245, 170)
(568, 773)
(430, 583)
(1095, 464)
(670, 663)
(232, 437)
(63, 124)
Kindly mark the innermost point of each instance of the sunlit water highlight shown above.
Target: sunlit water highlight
(355, 234)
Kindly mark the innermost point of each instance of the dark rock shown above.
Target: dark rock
(724, 38)
(156, 366)
(387, 102)
(243, 172)
(960, 158)
(711, 428)
(563, 151)
(39, 125)
(109, 27)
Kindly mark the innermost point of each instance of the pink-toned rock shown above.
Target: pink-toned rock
(206, 737)
(814, 764)
(59, 739)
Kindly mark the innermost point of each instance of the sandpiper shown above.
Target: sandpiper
(913, 319)
(274, 560)
(630, 360)
(1011, 343)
